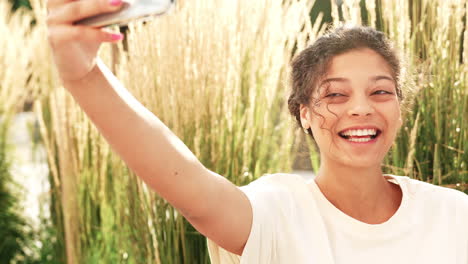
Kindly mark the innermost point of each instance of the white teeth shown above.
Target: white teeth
(359, 139)
(360, 132)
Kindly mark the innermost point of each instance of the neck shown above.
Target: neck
(360, 192)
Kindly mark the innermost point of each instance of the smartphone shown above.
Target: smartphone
(131, 10)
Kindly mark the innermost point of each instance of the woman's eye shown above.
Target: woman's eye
(334, 95)
(382, 92)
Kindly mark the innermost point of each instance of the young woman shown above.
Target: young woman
(346, 94)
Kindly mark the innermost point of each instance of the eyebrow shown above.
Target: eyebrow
(341, 79)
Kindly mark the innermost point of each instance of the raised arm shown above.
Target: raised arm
(214, 206)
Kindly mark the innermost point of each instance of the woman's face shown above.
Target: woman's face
(358, 113)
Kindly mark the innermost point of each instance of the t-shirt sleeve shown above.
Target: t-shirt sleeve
(265, 199)
(461, 216)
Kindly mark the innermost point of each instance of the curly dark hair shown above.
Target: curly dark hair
(310, 65)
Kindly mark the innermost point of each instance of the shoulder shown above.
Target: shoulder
(417, 187)
(277, 184)
(434, 195)
(281, 191)
(277, 179)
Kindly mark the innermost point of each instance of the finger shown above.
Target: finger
(52, 4)
(78, 10)
(60, 34)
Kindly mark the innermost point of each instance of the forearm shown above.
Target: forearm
(148, 147)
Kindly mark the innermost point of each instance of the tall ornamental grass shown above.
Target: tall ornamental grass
(15, 54)
(215, 73)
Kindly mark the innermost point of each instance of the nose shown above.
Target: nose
(360, 106)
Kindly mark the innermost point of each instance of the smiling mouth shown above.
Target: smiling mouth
(360, 135)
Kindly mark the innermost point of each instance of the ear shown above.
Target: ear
(305, 116)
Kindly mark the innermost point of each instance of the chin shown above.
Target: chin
(361, 162)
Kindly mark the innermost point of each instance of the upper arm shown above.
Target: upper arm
(225, 216)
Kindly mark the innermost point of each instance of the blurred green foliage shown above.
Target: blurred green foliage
(13, 231)
(20, 3)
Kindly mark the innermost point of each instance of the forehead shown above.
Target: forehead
(358, 63)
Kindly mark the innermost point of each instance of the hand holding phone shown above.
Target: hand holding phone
(131, 10)
(74, 46)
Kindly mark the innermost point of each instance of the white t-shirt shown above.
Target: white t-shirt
(294, 223)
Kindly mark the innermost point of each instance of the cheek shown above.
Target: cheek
(394, 114)
(393, 118)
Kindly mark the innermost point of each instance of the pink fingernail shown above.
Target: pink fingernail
(115, 2)
(117, 36)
